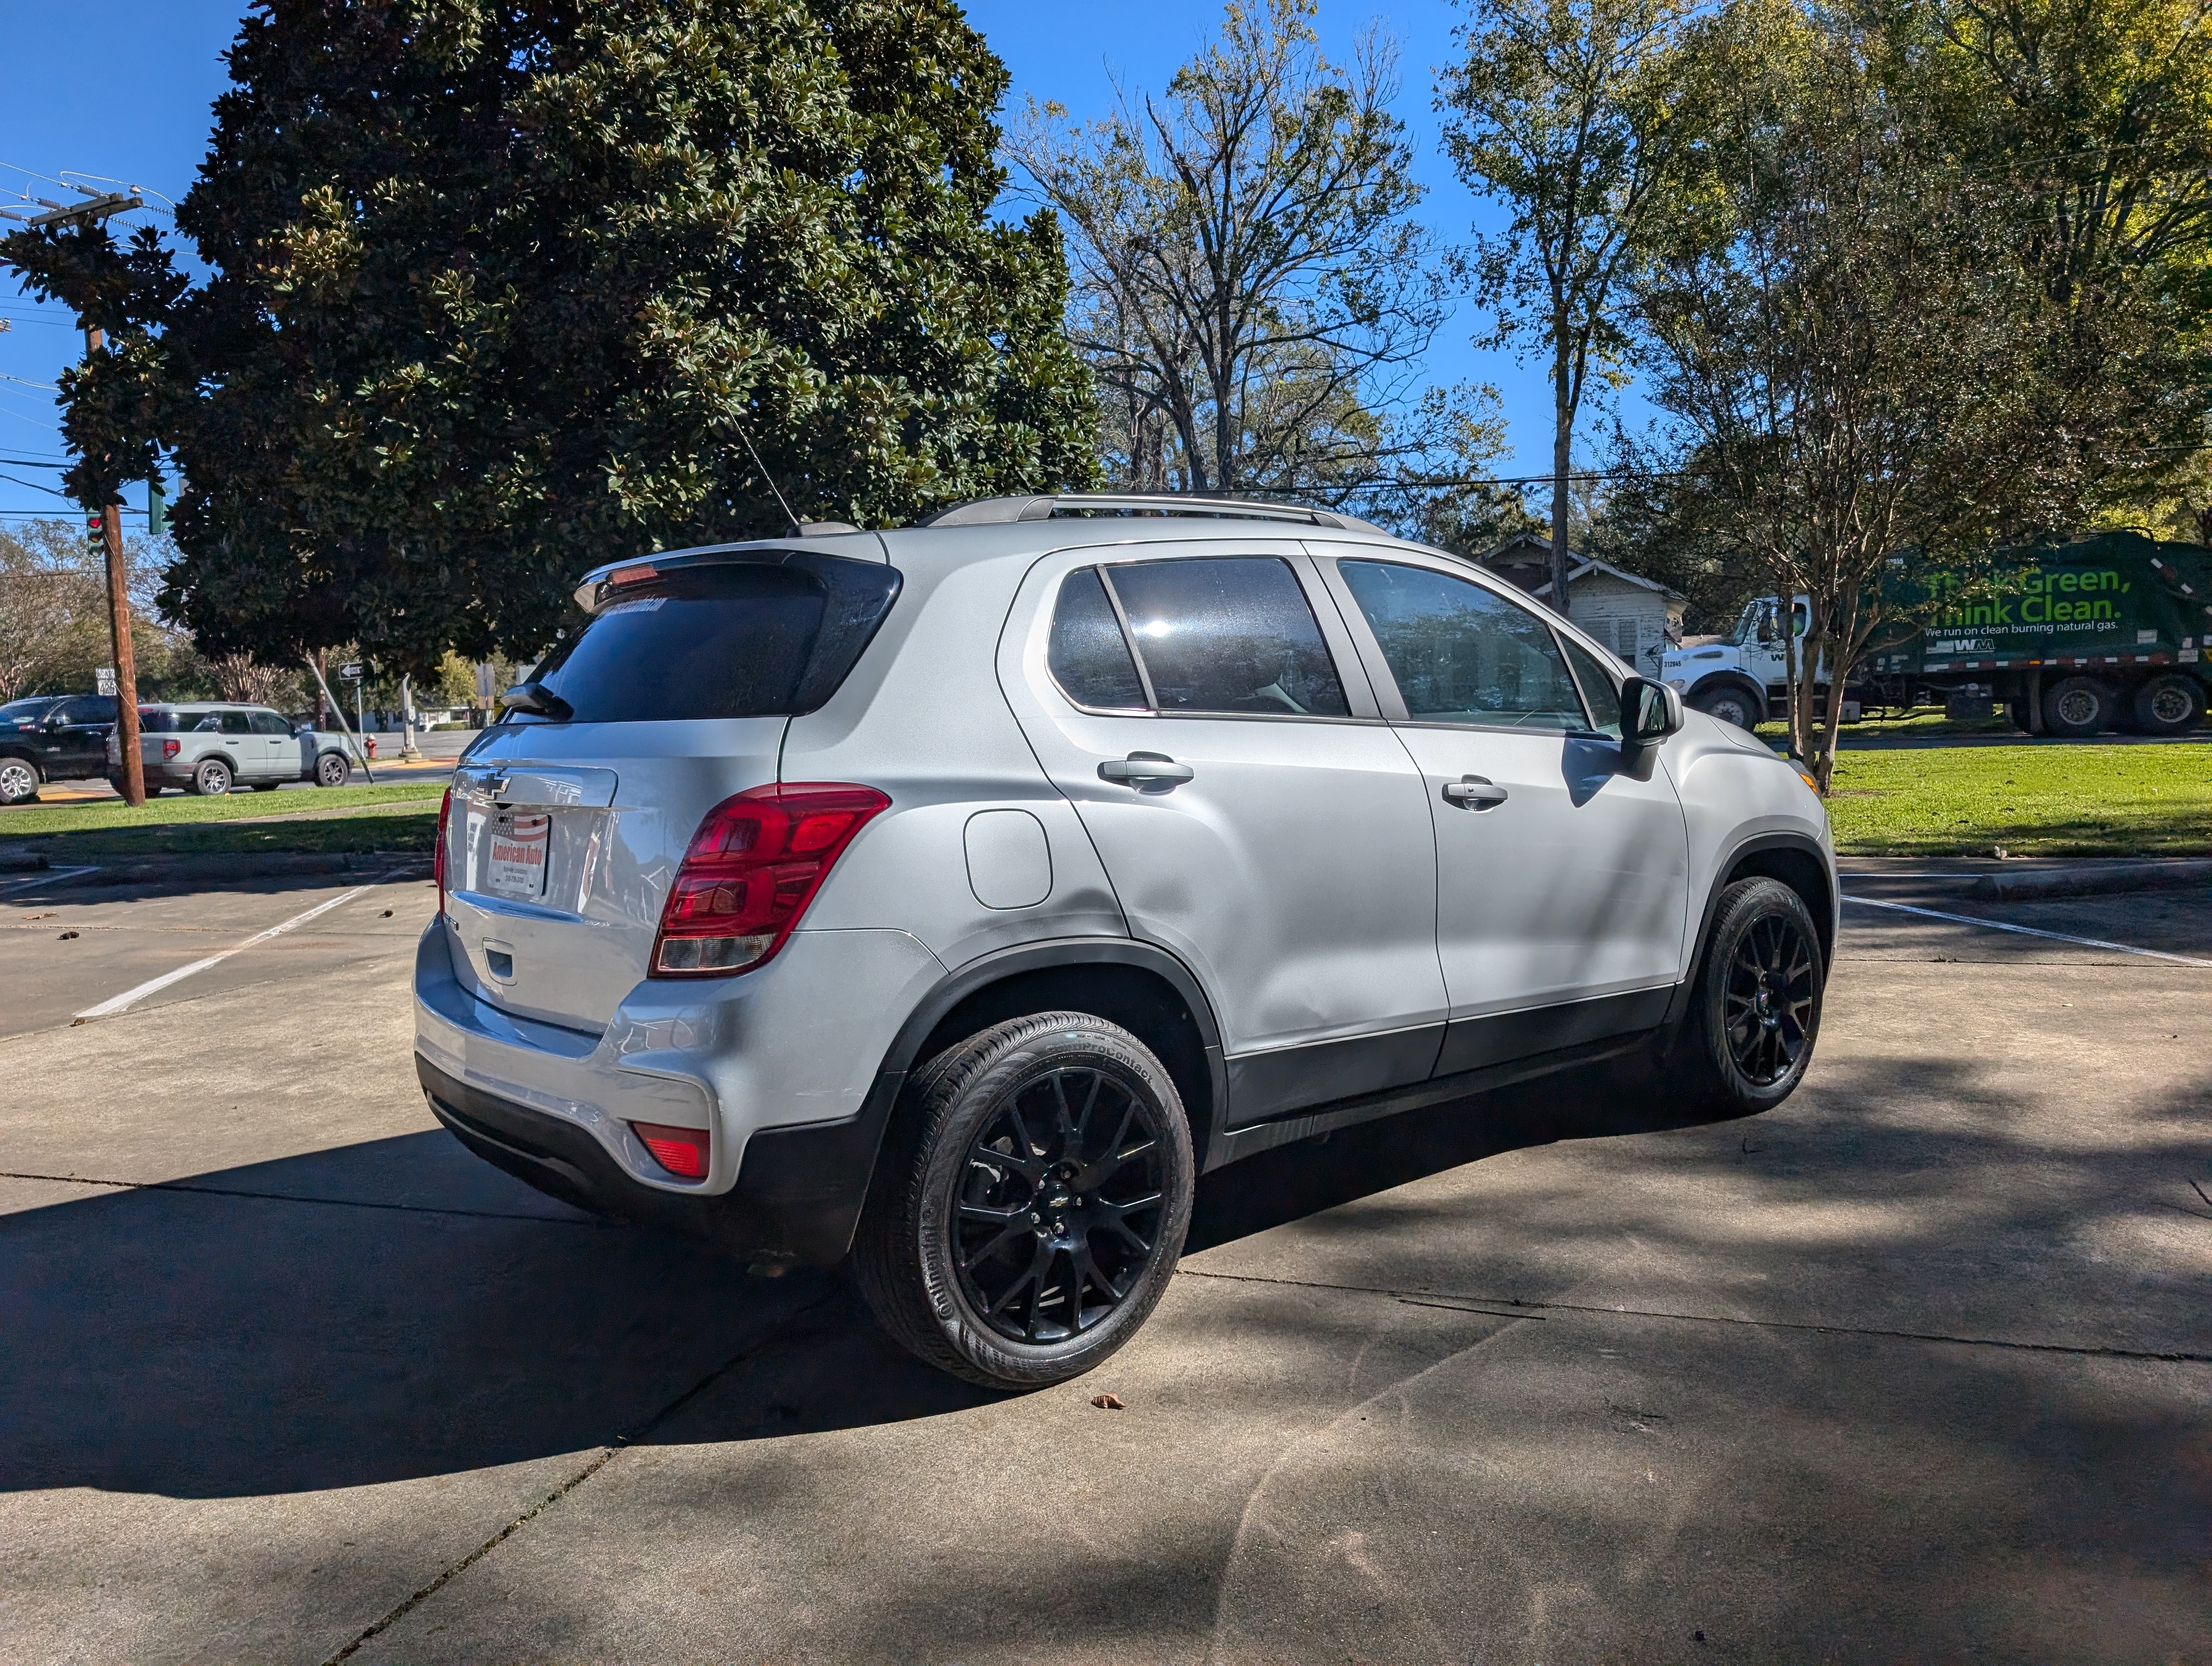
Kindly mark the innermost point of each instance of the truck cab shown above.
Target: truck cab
(1743, 678)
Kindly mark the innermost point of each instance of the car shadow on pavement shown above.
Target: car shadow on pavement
(395, 1309)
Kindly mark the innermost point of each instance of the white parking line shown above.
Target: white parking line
(128, 998)
(2029, 931)
(48, 876)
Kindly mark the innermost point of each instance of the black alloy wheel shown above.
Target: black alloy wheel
(1055, 1219)
(1773, 985)
(1757, 1008)
(1031, 1201)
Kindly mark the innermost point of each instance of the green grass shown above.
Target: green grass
(2033, 801)
(178, 809)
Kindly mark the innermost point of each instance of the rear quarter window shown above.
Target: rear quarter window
(741, 639)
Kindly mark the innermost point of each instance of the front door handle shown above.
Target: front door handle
(1144, 770)
(1474, 792)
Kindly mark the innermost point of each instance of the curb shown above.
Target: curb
(2118, 878)
(138, 871)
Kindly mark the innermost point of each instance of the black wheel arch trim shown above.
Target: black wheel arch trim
(1826, 918)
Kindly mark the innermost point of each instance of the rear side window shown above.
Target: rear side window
(268, 723)
(236, 723)
(1461, 653)
(159, 720)
(741, 639)
(1089, 656)
(1231, 635)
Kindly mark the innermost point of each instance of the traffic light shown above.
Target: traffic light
(157, 509)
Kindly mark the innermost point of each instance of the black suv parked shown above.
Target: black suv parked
(52, 737)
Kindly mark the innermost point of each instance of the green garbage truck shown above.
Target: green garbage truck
(2102, 633)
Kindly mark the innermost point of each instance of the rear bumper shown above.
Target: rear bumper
(796, 1200)
(785, 1066)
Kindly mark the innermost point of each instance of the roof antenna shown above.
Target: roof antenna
(765, 476)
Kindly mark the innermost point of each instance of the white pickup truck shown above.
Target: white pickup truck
(209, 746)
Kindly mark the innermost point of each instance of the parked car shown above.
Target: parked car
(209, 746)
(953, 896)
(53, 737)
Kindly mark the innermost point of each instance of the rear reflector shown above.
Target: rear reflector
(753, 866)
(681, 1151)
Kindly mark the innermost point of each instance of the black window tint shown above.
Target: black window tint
(1229, 635)
(235, 723)
(158, 720)
(1089, 656)
(737, 639)
(1600, 686)
(268, 723)
(1462, 654)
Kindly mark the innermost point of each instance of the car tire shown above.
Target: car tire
(2075, 708)
(1731, 702)
(2172, 704)
(1755, 1009)
(19, 781)
(212, 778)
(954, 1259)
(332, 771)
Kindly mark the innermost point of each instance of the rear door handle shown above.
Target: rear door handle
(1474, 792)
(1142, 769)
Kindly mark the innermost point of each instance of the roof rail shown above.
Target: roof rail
(1006, 511)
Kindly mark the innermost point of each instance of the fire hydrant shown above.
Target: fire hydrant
(371, 745)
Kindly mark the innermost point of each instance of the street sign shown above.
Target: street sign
(103, 681)
(350, 672)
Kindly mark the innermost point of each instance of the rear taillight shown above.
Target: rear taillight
(171, 748)
(681, 1151)
(438, 862)
(753, 866)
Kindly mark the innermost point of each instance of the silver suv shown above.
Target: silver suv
(954, 896)
(209, 746)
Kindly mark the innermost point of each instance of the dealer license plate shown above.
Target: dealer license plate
(516, 859)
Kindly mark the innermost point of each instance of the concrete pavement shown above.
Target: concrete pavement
(1916, 1366)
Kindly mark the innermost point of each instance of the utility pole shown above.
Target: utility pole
(118, 624)
(110, 514)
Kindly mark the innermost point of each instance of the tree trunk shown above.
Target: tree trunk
(1563, 443)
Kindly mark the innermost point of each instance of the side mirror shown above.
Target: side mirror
(1649, 712)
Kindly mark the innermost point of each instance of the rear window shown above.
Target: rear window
(744, 639)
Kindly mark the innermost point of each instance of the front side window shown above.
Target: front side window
(1229, 635)
(1601, 687)
(1461, 653)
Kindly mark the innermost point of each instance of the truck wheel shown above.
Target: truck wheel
(1756, 1008)
(211, 778)
(19, 781)
(1731, 702)
(2168, 705)
(1031, 1202)
(331, 770)
(2077, 708)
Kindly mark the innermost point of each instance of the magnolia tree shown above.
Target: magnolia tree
(495, 293)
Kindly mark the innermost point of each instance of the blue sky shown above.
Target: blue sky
(121, 90)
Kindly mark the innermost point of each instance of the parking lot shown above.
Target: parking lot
(1918, 1366)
